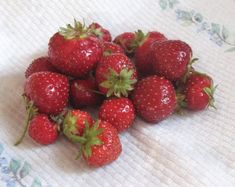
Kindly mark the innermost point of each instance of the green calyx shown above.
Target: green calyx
(140, 37)
(70, 127)
(181, 103)
(189, 70)
(96, 31)
(89, 137)
(78, 31)
(210, 92)
(119, 84)
(31, 111)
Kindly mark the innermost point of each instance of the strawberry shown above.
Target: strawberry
(100, 32)
(73, 51)
(171, 58)
(125, 40)
(142, 56)
(199, 91)
(154, 98)
(116, 75)
(39, 64)
(110, 48)
(100, 144)
(119, 112)
(83, 93)
(48, 91)
(42, 130)
(74, 123)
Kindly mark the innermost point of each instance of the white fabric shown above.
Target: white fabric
(196, 149)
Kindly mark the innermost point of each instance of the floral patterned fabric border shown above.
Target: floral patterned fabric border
(218, 33)
(14, 171)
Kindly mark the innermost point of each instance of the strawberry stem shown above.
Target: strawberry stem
(31, 111)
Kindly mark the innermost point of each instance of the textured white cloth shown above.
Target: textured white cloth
(197, 149)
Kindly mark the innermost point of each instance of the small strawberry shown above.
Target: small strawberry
(42, 130)
(154, 98)
(48, 91)
(119, 112)
(142, 56)
(100, 32)
(83, 93)
(100, 144)
(199, 91)
(74, 123)
(38, 65)
(116, 75)
(125, 40)
(73, 51)
(171, 58)
(110, 48)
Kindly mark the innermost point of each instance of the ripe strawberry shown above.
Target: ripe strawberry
(116, 75)
(171, 58)
(48, 91)
(110, 48)
(125, 40)
(199, 91)
(83, 93)
(42, 130)
(154, 98)
(142, 56)
(119, 112)
(73, 51)
(38, 65)
(100, 144)
(100, 32)
(74, 123)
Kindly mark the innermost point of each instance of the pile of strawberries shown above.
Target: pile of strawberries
(137, 73)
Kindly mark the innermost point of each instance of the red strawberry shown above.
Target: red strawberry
(116, 75)
(73, 51)
(100, 32)
(74, 123)
(48, 91)
(119, 112)
(154, 98)
(100, 144)
(83, 93)
(39, 64)
(125, 40)
(42, 130)
(171, 58)
(199, 92)
(143, 58)
(110, 48)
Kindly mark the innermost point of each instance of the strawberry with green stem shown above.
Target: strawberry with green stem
(116, 75)
(74, 51)
(101, 33)
(199, 92)
(100, 144)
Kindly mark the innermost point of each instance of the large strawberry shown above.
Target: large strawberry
(84, 93)
(38, 65)
(48, 91)
(119, 112)
(43, 130)
(74, 123)
(110, 48)
(154, 98)
(116, 75)
(73, 51)
(171, 58)
(199, 91)
(100, 32)
(142, 56)
(125, 40)
(100, 144)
